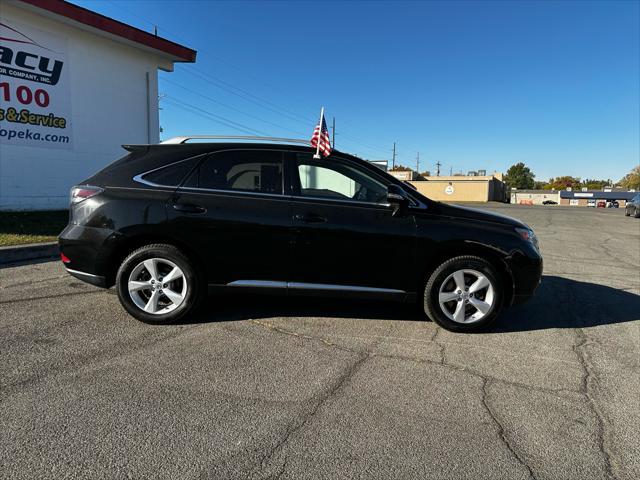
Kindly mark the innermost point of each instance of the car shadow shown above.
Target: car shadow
(244, 306)
(564, 303)
(558, 303)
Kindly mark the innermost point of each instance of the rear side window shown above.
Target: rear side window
(257, 171)
(171, 175)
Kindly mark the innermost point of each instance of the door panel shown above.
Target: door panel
(356, 245)
(341, 235)
(232, 212)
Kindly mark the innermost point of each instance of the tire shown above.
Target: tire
(455, 315)
(148, 298)
(637, 214)
(626, 212)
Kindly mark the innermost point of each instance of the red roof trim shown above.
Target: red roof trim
(109, 25)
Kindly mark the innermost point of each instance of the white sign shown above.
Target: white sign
(574, 201)
(34, 88)
(577, 194)
(449, 190)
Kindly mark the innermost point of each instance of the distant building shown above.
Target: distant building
(404, 175)
(458, 188)
(582, 198)
(382, 164)
(533, 197)
(591, 197)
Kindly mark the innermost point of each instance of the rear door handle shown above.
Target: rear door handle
(309, 218)
(189, 208)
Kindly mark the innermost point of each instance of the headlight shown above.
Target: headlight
(528, 235)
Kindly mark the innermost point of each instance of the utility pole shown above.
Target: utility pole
(393, 162)
(418, 163)
(333, 133)
(438, 165)
(450, 171)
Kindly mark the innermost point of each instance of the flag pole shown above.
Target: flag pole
(317, 155)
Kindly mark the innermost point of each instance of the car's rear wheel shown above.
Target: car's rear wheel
(463, 294)
(158, 284)
(637, 214)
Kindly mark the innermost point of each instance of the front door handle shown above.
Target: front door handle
(189, 208)
(310, 218)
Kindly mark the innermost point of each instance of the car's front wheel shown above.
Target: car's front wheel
(463, 294)
(157, 284)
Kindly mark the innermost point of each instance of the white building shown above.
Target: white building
(534, 197)
(74, 86)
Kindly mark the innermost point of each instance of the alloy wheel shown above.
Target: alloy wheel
(157, 286)
(466, 296)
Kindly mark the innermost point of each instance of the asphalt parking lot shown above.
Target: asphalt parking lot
(262, 387)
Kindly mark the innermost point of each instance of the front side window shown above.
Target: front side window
(243, 170)
(335, 180)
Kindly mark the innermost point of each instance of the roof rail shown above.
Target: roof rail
(185, 139)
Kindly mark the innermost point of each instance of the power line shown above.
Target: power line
(244, 94)
(230, 107)
(217, 83)
(185, 40)
(212, 116)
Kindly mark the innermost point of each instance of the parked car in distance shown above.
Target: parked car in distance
(549, 202)
(601, 204)
(591, 203)
(167, 223)
(613, 204)
(633, 207)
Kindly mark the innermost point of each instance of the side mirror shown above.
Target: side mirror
(398, 199)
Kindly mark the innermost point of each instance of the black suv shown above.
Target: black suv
(168, 222)
(632, 207)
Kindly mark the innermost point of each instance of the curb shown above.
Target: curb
(31, 251)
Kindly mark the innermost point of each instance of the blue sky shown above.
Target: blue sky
(474, 85)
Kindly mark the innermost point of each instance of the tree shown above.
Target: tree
(519, 176)
(399, 168)
(540, 185)
(562, 183)
(631, 179)
(593, 184)
(426, 173)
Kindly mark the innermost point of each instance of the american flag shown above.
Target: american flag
(322, 133)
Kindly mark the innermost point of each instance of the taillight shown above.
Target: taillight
(64, 258)
(79, 194)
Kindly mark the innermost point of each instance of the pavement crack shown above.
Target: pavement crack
(321, 400)
(589, 380)
(89, 362)
(441, 362)
(501, 431)
(324, 341)
(441, 346)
